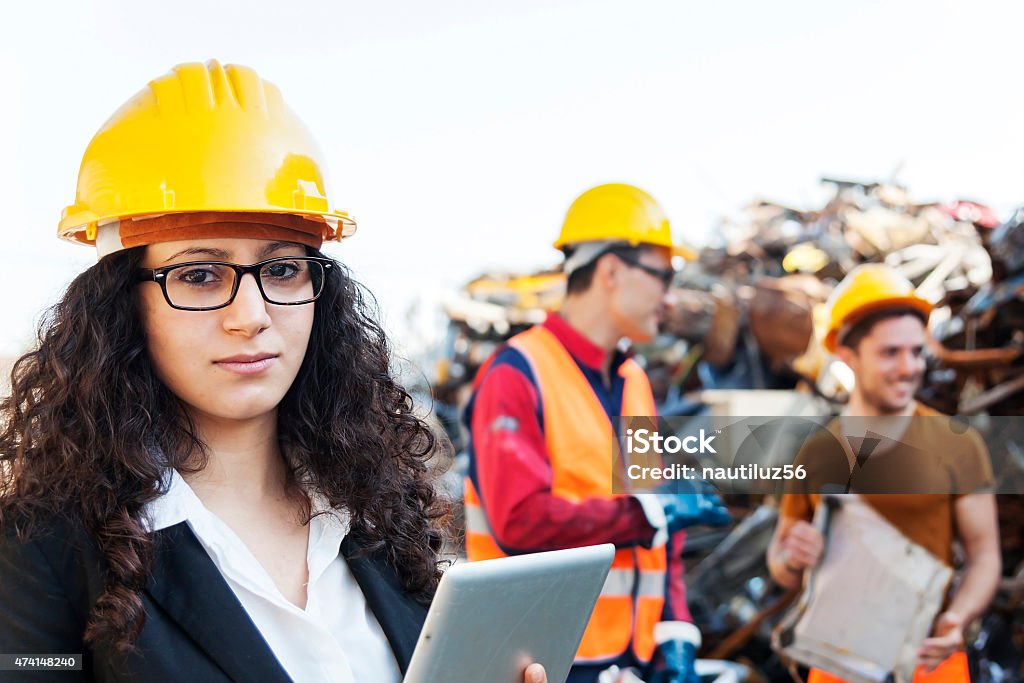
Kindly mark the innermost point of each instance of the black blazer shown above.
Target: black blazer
(196, 629)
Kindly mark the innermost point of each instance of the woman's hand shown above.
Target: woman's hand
(535, 674)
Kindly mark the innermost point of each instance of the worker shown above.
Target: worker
(543, 451)
(207, 469)
(878, 327)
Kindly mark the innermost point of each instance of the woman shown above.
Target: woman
(207, 472)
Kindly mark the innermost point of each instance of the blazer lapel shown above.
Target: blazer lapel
(189, 587)
(400, 616)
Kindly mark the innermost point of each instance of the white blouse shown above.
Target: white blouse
(336, 639)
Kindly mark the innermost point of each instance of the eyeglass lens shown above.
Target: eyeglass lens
(206, 285)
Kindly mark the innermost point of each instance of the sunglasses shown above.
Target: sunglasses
(666, 275)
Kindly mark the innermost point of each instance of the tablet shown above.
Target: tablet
(490, 619)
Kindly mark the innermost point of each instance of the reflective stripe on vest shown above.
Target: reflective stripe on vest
(953, 669)
(584, 459)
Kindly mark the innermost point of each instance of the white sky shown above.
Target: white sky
(458, 132)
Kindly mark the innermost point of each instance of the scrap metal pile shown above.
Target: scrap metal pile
(747, 310)
(753, 303)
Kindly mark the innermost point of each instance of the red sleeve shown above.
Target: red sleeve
(513, 478)
(676, 606)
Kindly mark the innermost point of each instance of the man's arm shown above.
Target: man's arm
(676, 607)
(978, 531)
(514, 478)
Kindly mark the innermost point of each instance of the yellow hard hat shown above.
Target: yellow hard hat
(866, 289)
(203, 138)
(805, 258)
(618, 212)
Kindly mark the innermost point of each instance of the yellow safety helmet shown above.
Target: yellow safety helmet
(866, 289)
(203, 138)
(618, 212)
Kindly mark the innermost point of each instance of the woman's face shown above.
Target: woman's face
(233, 363)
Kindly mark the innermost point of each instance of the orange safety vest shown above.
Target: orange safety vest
(583, 451)
(953, 669)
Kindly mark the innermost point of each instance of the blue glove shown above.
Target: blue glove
(674, 660)
(684, 510)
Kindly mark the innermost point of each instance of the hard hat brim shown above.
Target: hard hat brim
(684, 252)
(81, 228)
(831, 341)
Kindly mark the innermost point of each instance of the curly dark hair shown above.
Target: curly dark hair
(89, 430)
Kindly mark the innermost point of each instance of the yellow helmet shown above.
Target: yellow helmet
(866, 289)
(203, 138)
(618, 212)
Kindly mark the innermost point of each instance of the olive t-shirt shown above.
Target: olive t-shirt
(913, 480)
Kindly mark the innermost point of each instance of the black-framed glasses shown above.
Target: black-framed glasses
(209, 285)
(666, 275)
